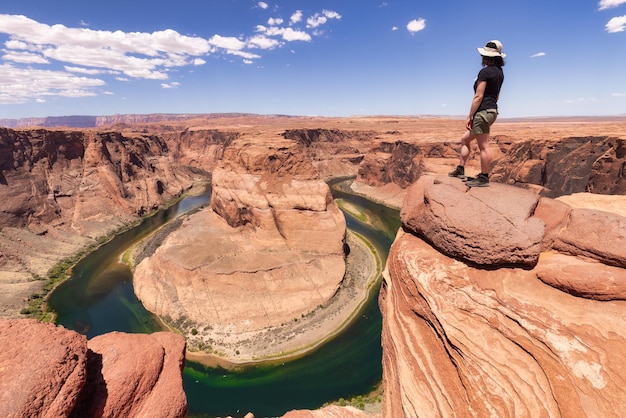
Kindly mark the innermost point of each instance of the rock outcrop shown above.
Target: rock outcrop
(48, 371)
(333, 411)
(273, 235)
(541, 335)
(333, 152)
(570, 165)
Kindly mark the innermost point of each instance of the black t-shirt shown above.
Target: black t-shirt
(494, 76)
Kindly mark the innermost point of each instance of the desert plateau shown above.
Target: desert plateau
(507, 301)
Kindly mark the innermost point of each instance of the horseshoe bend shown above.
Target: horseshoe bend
(507, 300)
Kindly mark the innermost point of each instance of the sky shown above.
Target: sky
(308, 57)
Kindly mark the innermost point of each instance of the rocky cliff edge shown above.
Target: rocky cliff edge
(498, 302)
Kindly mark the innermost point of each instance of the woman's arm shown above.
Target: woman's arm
(478, 98)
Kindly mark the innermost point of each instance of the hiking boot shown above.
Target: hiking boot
(458, 172)
(481, 180)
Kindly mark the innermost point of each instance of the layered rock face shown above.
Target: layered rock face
(88, 182)
(273, 235)
(48, 371)
(334, 152)
(60, 190)
(199, 148)
(497, 302)
(570, 165)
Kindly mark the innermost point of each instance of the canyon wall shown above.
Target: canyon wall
(61, 190)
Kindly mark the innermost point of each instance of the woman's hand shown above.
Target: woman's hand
(468, 123)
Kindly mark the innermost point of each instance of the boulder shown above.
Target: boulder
(42, 369)
(134, 375)
(48, 371)
(596, 234)
(486, 226)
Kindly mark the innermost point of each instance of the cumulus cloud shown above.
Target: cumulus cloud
(296, 17)
(319, 19)
(275, 21)
(416, 25)
(609, 4)
(17, 86)
(616, 24)
(76, 61)
(538, 54)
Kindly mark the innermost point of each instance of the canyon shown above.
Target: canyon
(506, 300)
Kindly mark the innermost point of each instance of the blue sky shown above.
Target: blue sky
(308, 57)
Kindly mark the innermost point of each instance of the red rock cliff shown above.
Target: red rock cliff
(499, 303)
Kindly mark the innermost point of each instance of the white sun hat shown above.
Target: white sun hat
(492, 49)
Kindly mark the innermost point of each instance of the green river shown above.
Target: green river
(99, 298)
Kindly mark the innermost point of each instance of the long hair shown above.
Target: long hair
(497, 61)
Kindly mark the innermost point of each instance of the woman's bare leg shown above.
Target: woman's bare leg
(466, 139)
(485, 154)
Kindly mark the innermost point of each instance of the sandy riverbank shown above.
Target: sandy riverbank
(297, 338)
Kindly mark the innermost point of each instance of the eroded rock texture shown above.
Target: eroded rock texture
(570, 165)
(463, 337)
(90, 182)
(273, 235)
(48, 371)
(332, 411)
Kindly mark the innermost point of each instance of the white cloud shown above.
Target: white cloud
(275, 21)
(616, 24)
(609, 4)
(17, 86)
(83, 70)
(416, 25)
(172, 85)
(319, 19)
(393, 28)
(618, 94)
(296, 17)
(331, 14)
(289, 34)
(538, 54)
(135, 54)
(263, 42)
(76, 57)
(25, 57)
(227, 42)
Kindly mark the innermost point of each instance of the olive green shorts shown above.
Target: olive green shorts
(483, 120)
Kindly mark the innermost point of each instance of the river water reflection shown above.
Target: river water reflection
(99, 298)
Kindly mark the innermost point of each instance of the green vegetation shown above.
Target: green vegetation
(353, 210)
(372, 400)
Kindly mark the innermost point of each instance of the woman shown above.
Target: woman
(483, 112)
